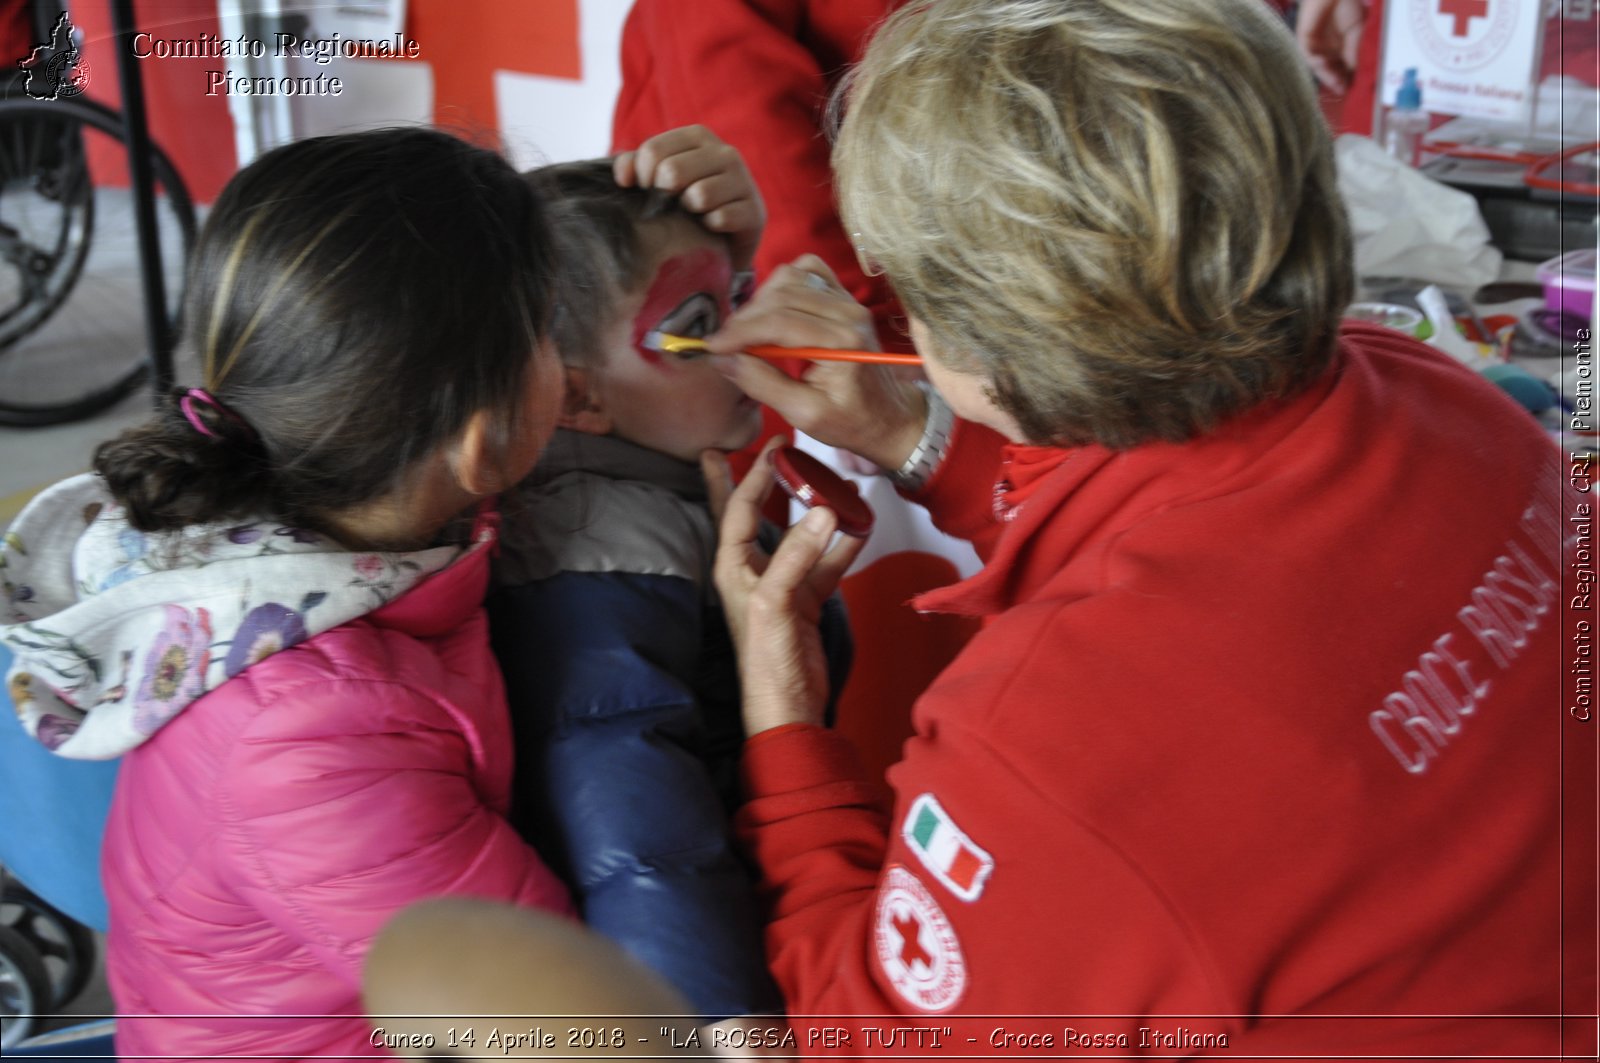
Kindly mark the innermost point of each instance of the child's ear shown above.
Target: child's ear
(477, 459)
(582, 406)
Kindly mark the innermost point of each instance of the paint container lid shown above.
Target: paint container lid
(811, 483)
(1569, 283)
(1390, 315)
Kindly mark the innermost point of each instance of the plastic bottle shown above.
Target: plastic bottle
(1406, 121)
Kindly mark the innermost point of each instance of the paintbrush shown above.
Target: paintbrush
(670, 344)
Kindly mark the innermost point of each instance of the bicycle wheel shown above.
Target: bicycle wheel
(72, 331)
(24, 988)
(66, 947)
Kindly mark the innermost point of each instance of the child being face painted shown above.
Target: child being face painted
(619, 671)
(637, 260)
(673, 403)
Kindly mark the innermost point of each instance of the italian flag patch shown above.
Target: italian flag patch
(945, 849)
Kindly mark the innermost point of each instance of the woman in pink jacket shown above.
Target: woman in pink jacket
(268, 597)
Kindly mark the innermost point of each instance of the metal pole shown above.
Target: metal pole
(157, 333)
(1378, 78)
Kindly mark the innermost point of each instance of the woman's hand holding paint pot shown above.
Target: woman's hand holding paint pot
(870, 410)
(773, 602)
(708, 176)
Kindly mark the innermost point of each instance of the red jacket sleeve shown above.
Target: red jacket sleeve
(862, 924)
(816, 828)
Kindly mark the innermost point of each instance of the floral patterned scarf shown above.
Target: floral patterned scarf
(115, 631)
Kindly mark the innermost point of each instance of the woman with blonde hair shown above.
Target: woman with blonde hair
(1265, 720)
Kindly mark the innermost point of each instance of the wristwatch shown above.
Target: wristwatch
(912, 476)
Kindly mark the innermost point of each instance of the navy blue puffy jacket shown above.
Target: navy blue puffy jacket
(624, 695)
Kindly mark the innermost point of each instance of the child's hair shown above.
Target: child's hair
(1122, 212)
(354, 300)
(595, 225)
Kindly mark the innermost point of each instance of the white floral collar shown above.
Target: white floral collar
(115, 631)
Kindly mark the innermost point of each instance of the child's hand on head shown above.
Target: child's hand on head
(708, 176)
(1329, 35)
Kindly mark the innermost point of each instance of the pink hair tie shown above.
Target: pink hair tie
(187, 403)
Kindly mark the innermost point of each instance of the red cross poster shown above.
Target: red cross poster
(1473, 57)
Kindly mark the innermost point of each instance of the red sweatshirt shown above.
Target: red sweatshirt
(759, 73)
(1260, 728)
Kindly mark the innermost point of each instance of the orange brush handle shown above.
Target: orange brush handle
(827, 354)
(664, 341)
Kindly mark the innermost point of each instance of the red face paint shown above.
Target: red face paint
(704, 273)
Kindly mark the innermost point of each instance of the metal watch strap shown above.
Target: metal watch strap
(929, 451)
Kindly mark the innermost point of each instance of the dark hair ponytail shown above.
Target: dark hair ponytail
(353, 300)
(169, 474)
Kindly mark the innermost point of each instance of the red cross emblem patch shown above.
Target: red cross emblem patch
(917, 948)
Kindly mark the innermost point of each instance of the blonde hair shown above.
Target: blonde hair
(1123, 213)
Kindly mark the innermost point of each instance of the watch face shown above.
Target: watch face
(811, 483)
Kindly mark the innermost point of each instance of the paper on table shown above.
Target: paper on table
(1406, 224)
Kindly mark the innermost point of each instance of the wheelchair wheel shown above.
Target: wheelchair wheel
(46, 218)
(72, 330)
(66, 946)
(24, 988)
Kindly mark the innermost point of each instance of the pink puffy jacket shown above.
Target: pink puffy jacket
(262, 837)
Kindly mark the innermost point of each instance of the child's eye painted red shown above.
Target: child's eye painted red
(686, 289)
